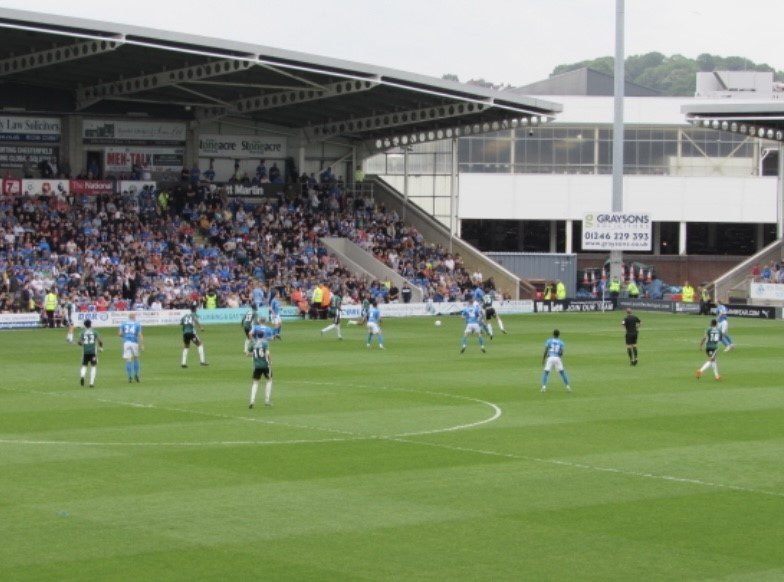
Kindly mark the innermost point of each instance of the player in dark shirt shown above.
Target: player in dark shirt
(632, 324)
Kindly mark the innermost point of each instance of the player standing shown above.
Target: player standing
(257, 347)
(89, 340)
(723, 319)
(189, 322)
(335, 303)
(472, 313)
(247, 321)
(275, 318)
(711, 341)
(374, 325)
(70, 312)
(133, 344)
(553, 350)
(632, 324)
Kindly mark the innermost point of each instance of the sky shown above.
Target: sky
(512, 42)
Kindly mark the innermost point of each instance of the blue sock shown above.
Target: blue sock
(129, 369)
(565, 377)
(137, 366)
(545, 375)
(465, 341)
(380, 339)
(370, 338)
(481, 341)
(726, 340)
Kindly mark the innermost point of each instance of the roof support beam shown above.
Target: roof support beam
(86, 96)
(56, 55)
(411, 117)
(455, 130)
(267, 101)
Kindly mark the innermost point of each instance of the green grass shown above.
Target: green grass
(396, 464)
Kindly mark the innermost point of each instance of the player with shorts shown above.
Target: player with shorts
(133, 345)
(335, 304)
(472, 314)
(275, 317)
(553, 350)
(632, 324)
(374, 325)
(257, 347)
(711, 341)
(70, 318)
(90, 341)
(722, 318)
(247, 321)
(189, 322)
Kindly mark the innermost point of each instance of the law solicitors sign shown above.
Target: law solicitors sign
(616, 231)
(241, 146)
(28, 138)
(30, 129)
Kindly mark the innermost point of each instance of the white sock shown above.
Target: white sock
(500, 323)
(329, 327)
(267, 392)
(93, 372)
(201, 354)
(69, 337)
(184, 356)
(83, 371)
(253, 389)
(705, 366)
(340, 335)
(715, 367)
(489, 328)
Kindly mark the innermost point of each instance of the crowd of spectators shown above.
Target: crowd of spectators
(166, 249)
(769, 273)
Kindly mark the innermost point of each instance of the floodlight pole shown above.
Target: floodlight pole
(780, 195)
(616, 257)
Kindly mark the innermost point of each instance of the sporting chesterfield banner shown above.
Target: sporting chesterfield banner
(241, 146)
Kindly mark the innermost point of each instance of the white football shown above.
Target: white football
(438, 322)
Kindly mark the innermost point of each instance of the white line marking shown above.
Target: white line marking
(347, 435)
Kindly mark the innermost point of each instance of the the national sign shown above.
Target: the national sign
(92, 187)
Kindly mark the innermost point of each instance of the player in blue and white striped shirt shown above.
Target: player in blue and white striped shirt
(553, 350)
(722, 316)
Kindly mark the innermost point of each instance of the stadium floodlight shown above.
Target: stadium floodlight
(379, 144)
(404, 140)
(769, 134)
(752, 130)
(387, 143)
(534, 120)
(495, 126)
(742, 128)
(395, 141)
(725, 125)
(715, 124)
(733, 126)
(440, 134)
(779, 135)
(706, 122)
(515, 123)
(524, 121)
(761, 132)
(431, 135)
(449, 132)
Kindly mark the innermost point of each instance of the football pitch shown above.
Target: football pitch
(413, 463)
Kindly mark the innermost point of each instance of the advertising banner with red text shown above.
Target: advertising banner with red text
(92, 187)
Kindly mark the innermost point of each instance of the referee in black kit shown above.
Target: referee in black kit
(632, 324)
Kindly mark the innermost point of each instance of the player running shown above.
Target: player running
(373, 324)
(89, 340)
(711, 341)
(189, 322)
(257, 347)
(248, 320)
(722, 314)
(553, 350)
(69, 310)
(472, 313)
(335, 303)
(275, 317)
